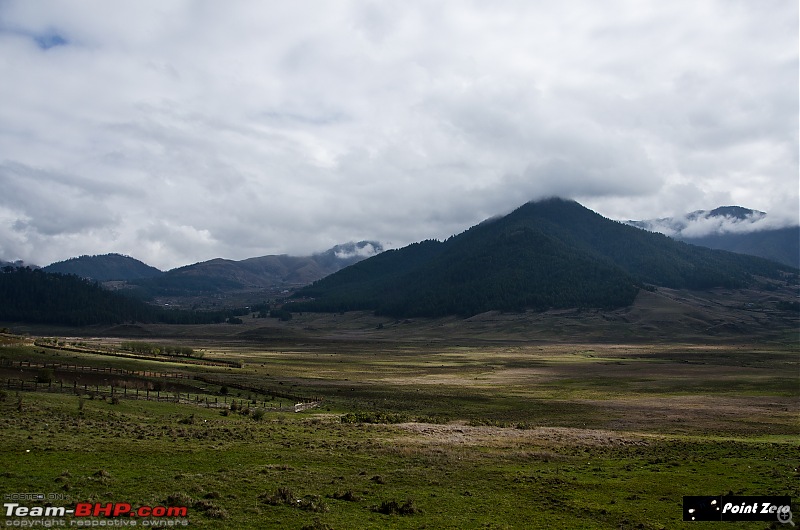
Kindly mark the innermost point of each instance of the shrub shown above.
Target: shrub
(313, 503)
(395, 508)
(346, 496)
(281, 314)
(281, 496)
(317, 525)
(373, 417)
(210, 509)
(179, 499)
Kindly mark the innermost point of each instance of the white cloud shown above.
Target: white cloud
(181, 131)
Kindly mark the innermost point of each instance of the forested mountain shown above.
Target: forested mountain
(105, 267)
(16, 264)
(779, 244)
(715, 229)
(40, 297)
(548, 254)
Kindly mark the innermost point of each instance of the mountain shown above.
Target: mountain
(731, 228)
(16, 264)
(219, 275)
(106, 267)
(549, 254)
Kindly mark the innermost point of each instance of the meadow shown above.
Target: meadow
(410, 433)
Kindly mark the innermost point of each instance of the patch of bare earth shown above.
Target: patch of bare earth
(686, 414)
(468, 435)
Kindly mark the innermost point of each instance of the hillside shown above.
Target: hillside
(731, 228)
(223, 275)
(779, 244)
(36, 296)
(549, 254)
(106, 267)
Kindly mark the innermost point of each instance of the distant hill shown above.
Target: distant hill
(16, 264)
(105, 267)
(36, 296)
(220, 275)
(548, 254)
(731, 228)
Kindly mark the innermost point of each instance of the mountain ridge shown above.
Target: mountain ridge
(732, 228)
(271, 271)
(553, 253)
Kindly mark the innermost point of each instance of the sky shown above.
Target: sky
(180, 131)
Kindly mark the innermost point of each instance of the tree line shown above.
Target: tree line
(35, 296)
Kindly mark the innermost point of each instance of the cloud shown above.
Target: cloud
(726, 220)
(182, 131)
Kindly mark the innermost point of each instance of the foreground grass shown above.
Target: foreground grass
(231, 470)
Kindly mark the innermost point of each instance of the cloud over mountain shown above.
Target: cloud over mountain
(183, 131)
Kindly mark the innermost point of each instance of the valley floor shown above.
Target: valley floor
(412, 434)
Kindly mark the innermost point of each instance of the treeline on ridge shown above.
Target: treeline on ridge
(49, 298)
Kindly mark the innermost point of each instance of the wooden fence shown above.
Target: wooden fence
(7, 363)
(76, 368)
(20, 385)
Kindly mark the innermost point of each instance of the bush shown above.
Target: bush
(210, 509)
(45, 375)
(395, 508)
(373, 417)
(281, 314)
(313, 503)
(281, 496)
(348, 496)
(178, 499)
(317, 525)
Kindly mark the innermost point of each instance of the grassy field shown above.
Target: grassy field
(418, 433)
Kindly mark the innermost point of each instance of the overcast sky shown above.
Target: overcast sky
(179, 131)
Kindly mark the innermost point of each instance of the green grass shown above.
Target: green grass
(142, 453)
(517, 436)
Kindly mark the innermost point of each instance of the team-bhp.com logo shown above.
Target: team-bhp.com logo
(86, 514)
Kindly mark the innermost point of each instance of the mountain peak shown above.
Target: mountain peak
(553, 253)
(735, 212)
(104, 267)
